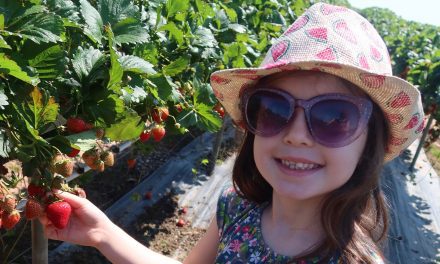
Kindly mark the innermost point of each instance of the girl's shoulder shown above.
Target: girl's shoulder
(231, 207)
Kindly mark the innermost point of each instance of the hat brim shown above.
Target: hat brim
(399, 100)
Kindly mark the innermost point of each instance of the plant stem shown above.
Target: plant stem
(15, 242)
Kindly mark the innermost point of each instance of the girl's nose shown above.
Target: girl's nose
(297, 133)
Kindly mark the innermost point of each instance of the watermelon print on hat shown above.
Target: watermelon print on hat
(338, 41)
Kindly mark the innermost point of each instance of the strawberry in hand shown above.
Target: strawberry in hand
(58, 213)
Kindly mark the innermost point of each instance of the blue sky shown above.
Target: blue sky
(425, 11)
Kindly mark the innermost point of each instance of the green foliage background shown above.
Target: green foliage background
(111, 62)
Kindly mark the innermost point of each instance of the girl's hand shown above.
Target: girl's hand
(87, 225)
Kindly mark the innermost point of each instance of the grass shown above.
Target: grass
(433, 153)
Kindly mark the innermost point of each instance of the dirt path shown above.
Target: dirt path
(414, 198)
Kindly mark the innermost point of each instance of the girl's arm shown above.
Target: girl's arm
(89, 226)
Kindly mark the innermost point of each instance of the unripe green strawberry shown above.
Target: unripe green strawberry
(64, 167)
(33, 209)
(108, 158)
(59, 213)
(9, 203)
(9, 220)
(91, 157)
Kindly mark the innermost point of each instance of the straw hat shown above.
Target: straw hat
(338, 41)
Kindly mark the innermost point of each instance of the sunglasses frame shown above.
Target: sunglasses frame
(364, 106)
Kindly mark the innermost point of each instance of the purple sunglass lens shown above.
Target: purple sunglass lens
(334, 121)
(268, 112)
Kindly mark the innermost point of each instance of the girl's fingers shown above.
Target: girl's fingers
(74, 201)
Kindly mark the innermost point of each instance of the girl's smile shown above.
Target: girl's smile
(292, 162)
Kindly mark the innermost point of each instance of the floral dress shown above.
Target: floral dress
(241, 240)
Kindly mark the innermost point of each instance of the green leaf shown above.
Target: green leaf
(232, 15)
(127, 129)
(37, 24)
(105, 109)
(237, 28)
(203, 93)
(84, 140)
(2, 22)
(130, 30)
(49, 63)
(116, 71)
(10, 67)
(86, 62)
(174, 31)
(207, 119)
(148, 52)
(165, 87)
(3, 99)
(43, 108)
(136, 64)
(203, 37)
(114, 11)
(4, 44)
(94, 24)
(63, 144)
(65, 9)
(204, 9)
(177, 66)
(176, 6)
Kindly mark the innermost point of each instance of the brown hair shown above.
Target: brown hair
(354, 216)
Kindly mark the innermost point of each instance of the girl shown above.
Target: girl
(322, 114)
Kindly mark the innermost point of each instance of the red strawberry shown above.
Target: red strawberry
(59, 213)
(160, 114)
(220, 110)
(131, 163)
(183, 210)
(33, 209)
(144, 136)
(73, 152)
(400, 100)
(148, 195)
(75, 125)
(9, 220)
(158, 133)
(178, 108)
(88, 126)
(35, 190)
(180, 222)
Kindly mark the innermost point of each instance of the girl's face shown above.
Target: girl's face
(292, 162)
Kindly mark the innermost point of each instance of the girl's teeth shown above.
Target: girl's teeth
(299, 165)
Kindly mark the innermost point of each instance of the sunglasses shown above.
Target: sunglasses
(334, 120)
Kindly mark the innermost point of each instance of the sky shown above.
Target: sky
(424, 11)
